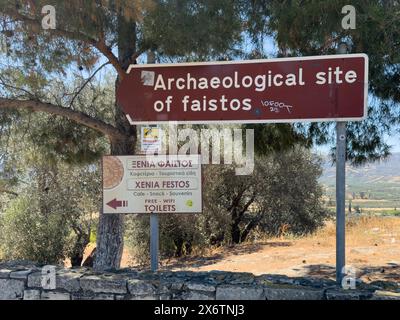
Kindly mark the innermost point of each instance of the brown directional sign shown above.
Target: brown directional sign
(322, 88)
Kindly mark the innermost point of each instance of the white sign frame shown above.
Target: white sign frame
(121, 197)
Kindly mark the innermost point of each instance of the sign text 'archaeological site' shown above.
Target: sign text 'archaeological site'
(324, 88)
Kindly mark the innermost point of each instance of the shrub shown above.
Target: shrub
(52, 217)
(27, 234)
(282, 196)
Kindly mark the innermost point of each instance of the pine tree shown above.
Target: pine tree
(93, 34)
(304, 28)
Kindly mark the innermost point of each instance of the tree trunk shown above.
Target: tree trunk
(249, 227)
(110, 242)
(179, 247)
(76, 260)
(110, 233)
(76, 255)
(235, 233)
(80, 245)
(235, 229)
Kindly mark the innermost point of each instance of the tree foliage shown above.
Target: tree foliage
(282, 193)
(52, 217)
(99, 36)
(27, 234)
(315, 28)
(50, 185)
(117, 31)
(283, 196)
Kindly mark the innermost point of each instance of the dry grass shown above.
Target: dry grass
(372, 247)
(361, 231)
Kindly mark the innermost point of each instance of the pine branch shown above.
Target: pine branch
(100, 44)
(4, 84)
(86, 82)
(107, 52)
(136, 55)
(74, 115)
(9, 192)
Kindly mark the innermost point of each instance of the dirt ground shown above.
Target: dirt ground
(372, 248)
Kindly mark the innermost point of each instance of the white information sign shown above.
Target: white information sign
(151, 139)
(152, 184)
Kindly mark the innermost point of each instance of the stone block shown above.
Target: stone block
(141, 287)
(35, 280)
(54, 295)
(229, 292)
(200, 287)
(385, 295)
(103, 284)
(98, 296)
(32, 294)
(21, 274)
(5, 273)
(198, 295)
(68, 281)
(11, 289)
(293, 294)
(338, 294)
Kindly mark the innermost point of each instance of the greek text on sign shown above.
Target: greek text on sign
(322, 88)
(152, 184)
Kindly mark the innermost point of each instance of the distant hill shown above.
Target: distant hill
(384, 171)
(374, 181)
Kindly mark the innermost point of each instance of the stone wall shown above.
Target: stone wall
(25, 281)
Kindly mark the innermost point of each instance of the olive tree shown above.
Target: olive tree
(283, 193)
(281, 196)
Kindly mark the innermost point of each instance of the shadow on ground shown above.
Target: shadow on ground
(387, 276)
(201, 261)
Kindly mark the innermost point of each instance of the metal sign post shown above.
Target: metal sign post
(154, 241)
(340, 199)
(341, 190)
(154, 225)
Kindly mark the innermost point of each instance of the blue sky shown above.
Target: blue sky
(392, 140)
(395, 142)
